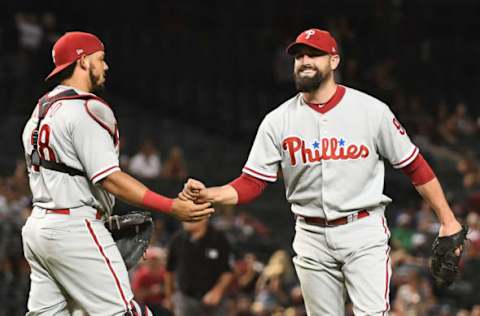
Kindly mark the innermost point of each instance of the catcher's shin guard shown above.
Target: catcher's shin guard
(138, 310)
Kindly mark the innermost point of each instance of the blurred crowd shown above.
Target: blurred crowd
(402, 53)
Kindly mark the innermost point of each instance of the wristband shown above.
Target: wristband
(157, 202)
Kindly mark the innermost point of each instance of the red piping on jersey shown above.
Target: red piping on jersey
(415, 150)
(387, 283)
(248, 188)
(330, 104)
(136, 309)
(109, 264)
(260, 174)
(419, 171)
(102, 172)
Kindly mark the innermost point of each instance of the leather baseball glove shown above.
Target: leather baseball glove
(132, 233)
(444, 261)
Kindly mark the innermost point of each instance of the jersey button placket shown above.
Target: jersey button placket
(323, 134)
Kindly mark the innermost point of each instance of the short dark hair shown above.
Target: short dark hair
(64, 74)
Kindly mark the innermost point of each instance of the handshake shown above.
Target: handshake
(192, 204)
(195, 191)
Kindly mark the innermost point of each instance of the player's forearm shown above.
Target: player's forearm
(132, 191)
(225, 195)
(432, 193)
(125, 187)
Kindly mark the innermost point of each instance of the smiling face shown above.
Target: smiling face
(312, 68)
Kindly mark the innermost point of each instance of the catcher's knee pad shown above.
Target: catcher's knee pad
(138, 310)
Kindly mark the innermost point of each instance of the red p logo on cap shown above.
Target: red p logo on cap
(315, 38)
(70, 47)
(309, 34)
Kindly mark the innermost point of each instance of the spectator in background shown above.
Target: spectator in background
(476, 310)
(251, 226)
(415, 296)
(146, 164)
(243, 306)
(51, 34)
(224, 220)
(20, 176)
(49, 23)
(463, 312)
(247, 272)
(458, 128)
(274, 284)
(14, 271)
(30, 31)
(148, 281)
(124, 159)
(160, 234)
(14, 195)
(425, 232)
(471, 262)
(402, 233)
(281, 261)
(465, 124)
(175, 167)
(271, 297)
(198, 264)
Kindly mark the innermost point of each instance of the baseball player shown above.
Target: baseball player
(71, 146)
(331, 142)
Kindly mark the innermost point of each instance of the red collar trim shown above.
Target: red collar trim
(330, 104)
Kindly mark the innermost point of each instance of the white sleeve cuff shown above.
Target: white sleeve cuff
(259, 175)
(408, 159)
(104, 173)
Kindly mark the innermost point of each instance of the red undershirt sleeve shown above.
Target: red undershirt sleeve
(248, 188)
(419, 171)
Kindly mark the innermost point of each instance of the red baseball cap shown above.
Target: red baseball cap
(70, 47)
(315, 38)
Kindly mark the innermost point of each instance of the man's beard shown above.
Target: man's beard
(309, 84)
(95, 80)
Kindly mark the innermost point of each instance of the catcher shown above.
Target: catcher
(71, 147)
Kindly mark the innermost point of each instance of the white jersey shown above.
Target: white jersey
(72, 135)
(332, 157)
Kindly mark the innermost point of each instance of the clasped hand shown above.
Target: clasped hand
(191, 204)
(194, 190)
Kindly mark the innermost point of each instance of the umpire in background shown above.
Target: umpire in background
(198, 270)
